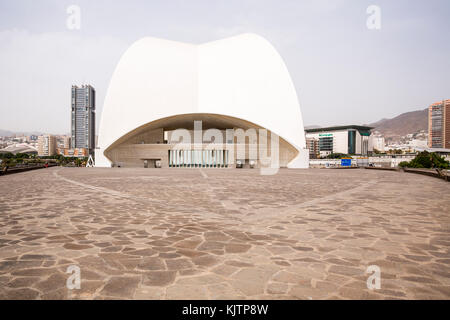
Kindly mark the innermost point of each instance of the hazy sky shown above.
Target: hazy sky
(344, 73)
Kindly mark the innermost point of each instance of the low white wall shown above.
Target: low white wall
(376, 161)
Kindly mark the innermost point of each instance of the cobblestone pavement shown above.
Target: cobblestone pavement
(223, 234)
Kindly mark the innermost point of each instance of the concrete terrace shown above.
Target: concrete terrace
(223, 234)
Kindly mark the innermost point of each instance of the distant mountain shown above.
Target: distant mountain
(409, 122)
(7, 133)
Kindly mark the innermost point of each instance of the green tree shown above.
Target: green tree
(426, 159)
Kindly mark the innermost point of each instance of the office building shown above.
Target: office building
(354, 140)
(83, 118)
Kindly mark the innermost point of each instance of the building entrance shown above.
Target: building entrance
(198, 158)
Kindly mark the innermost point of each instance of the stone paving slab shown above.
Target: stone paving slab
(223, 234)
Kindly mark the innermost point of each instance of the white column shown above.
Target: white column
(203, 158)
(211, 158)
(208, 157)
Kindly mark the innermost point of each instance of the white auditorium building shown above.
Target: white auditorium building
(160, 87)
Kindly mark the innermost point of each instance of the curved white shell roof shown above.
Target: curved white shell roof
(241, 76)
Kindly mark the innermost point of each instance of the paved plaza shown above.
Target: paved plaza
(223, 234)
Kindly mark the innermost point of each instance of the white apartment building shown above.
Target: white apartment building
(46, 145)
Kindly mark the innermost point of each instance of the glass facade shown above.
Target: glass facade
(326, 144)
(351, 142)
(437, 121)
(83, 117)
(198, 158)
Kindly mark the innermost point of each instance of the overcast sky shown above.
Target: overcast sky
(344, 73)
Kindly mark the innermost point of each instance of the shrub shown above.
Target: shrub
(337, 156)
(22, 155)
(6, 155)
(403, 164)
